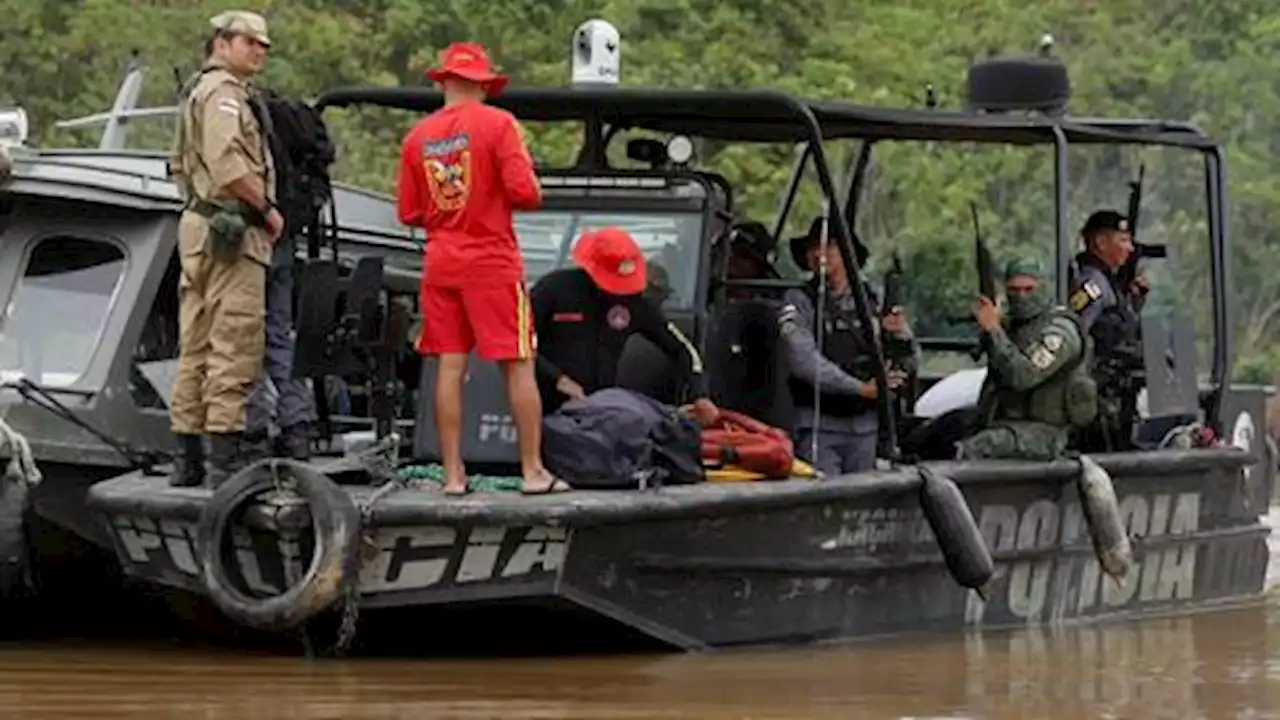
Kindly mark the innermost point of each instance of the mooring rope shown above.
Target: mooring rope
(22, 465)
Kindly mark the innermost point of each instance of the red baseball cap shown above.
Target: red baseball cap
(613, 260)
(468, 61)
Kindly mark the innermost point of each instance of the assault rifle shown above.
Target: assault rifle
(1129, 271)
(986, 278)
(893, 284)
(897, 350)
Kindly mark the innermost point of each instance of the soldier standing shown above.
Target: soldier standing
(1112, 317)
(225, 235)
(833, 356)
(1038, 385)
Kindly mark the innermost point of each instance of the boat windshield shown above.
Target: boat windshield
(670, 239)
(56, 315)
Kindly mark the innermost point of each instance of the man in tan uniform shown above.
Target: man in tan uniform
(225, 237)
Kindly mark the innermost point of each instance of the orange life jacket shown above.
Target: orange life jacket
(743, 441)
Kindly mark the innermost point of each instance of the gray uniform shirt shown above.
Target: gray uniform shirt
(795, 323)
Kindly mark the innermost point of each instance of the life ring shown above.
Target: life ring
(335, 560)
(1102, 516)
(963, 549)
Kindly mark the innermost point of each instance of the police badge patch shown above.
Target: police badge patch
(1053, 341)
(1042, 357)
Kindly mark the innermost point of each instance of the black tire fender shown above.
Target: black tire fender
(335, 561)
(1102, 517)
(963, 549)
(15, 545)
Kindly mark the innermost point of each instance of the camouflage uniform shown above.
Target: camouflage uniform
(221, 298)
(1038, 384)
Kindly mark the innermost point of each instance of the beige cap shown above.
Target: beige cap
(243, 22)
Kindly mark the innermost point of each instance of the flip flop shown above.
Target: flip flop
(555, 486)
(458, 493)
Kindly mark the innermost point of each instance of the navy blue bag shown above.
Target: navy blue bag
(616, 439)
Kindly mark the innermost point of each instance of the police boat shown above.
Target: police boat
(1169, 523)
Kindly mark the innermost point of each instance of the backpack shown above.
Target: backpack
(302, 151)
(616, 439)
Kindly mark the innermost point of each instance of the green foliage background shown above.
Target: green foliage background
(1207, 61)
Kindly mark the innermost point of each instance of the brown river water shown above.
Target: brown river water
(1217, 665)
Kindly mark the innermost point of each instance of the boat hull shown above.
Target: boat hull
(722, 565)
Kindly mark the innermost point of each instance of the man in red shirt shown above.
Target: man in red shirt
(463, 170)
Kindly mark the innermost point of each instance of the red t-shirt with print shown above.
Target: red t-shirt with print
(463, 170)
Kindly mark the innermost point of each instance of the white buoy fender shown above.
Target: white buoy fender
(1102, 515)
(948, 515)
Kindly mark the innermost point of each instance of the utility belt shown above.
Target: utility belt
(228, 223)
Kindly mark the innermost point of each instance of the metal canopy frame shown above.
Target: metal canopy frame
(769, 116)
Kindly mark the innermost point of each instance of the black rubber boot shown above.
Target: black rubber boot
(226, 457)
(188, 467)
(256, 446)
(295, 442)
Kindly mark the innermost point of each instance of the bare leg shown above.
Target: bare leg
(526, 409)
(449, 375)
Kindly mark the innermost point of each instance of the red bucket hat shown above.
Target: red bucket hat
(613, 260)
(468, 61)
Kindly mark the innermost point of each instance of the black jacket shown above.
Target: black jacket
(582, 330)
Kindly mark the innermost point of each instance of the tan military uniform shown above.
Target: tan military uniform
(222, 304)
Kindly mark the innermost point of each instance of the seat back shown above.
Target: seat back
(746, 364)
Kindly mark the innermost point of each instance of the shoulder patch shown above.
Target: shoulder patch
(1053, 341)
(1042, 357)
(1079, 299)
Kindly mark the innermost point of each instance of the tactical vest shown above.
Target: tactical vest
(1069, 397)
(1117, 332)
(841, 341)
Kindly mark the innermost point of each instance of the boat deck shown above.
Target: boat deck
(425, 503)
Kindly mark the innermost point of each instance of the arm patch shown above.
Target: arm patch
(1087, 293)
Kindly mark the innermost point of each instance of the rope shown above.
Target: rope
(22, 465)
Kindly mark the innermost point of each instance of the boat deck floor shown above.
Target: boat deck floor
(424, 500)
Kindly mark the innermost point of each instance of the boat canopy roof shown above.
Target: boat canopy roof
(770, 116)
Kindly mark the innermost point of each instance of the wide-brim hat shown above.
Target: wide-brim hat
(799, 245)
(613, 261)
(468, 61)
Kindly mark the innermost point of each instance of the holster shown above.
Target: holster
(228, 223)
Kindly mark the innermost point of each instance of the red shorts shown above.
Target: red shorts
(495, 319)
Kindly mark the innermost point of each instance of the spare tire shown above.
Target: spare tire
(335, 559)
(1019, 83)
